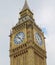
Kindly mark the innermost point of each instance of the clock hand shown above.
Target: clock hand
(19, 38)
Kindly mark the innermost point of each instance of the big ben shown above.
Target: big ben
(27, 41)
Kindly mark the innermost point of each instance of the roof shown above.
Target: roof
(25, 6)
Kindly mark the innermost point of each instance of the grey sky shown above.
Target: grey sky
(44, 14)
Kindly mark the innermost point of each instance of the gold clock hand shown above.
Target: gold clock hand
(20, 38)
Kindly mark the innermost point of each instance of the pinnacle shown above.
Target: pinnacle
(25, 6)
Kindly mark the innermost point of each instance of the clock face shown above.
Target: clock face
(38, 38)
(19, 38)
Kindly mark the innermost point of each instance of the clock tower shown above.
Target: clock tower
(27, 41)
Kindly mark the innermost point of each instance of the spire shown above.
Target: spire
(26, 9)
(25, 6)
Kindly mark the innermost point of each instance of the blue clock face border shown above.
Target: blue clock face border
(38, 38)
(19, 38)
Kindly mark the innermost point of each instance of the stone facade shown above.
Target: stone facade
(28, 52)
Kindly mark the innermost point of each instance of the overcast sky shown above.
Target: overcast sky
(44, 14)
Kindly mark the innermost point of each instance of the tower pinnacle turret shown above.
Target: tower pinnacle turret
(25, 9)
(25, 6)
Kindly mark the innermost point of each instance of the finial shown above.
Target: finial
(25, 6)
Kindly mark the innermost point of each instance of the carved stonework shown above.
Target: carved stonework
(28, 51)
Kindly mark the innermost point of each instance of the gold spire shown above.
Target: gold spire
(25, 6)
(26, 10)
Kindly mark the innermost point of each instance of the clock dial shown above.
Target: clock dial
(38, 38)
(19, 38)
